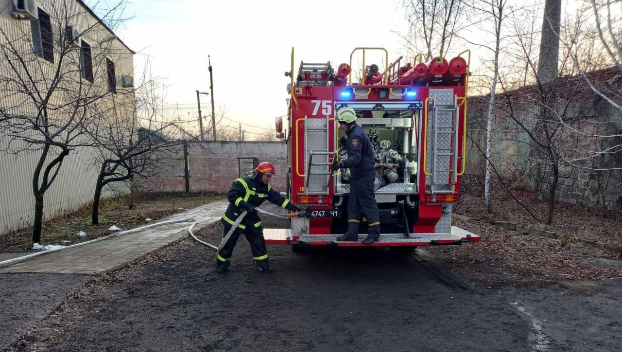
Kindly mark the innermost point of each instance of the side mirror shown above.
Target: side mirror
(278, 125)
(280, 135)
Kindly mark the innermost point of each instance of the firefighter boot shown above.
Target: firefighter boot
(263, 266)
(370, 240)
(347, 237)
(374, 233)
(221, 267)
(353, 228)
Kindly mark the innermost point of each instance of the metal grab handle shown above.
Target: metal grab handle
(291, 74)
(386, 62)
(415, 62)
(297, 143)
(424, 131)
(361, 95)
(397, 95)
(464, 137)
(466, 95)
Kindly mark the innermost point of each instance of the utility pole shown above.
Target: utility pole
(240, 130)
(211, 87)
(200, 116)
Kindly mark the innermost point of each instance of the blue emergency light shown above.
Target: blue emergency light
(346, 93)
(411, 93)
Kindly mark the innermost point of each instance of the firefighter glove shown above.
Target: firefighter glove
(335, 166)
(250, 209)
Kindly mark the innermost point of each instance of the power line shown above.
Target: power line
(246, 124)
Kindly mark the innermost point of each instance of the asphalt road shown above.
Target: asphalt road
(321, 300)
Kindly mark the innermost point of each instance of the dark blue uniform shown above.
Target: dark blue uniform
(362, 201)
(243, 193)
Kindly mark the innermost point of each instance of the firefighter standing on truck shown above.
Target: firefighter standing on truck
(362, 201)
(246, 194)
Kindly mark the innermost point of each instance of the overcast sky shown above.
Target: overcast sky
(250, 44)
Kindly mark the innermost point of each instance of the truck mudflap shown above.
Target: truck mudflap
(457, 236)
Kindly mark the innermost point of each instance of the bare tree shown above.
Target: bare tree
(126, 135)
(53, 73)
(434, 22)
(267, 136)
(494, 12)
(601, 21)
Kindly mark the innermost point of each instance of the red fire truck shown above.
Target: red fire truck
(415, 116)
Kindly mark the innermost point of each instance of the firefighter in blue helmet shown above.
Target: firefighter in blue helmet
(246, 194)
(360, 161)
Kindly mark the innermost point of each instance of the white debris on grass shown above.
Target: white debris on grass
(65, 241)
(147, 219)
(46, 248)
(82, 234)
(114, 228)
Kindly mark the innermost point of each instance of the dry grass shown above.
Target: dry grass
(523, 257)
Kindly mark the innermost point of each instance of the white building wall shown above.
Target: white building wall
(74, 185)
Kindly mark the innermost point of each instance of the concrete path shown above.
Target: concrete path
(111, 253)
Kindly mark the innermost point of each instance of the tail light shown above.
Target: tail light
(441, 198)
(306, 199)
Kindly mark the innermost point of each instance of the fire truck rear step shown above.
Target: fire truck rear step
(457, 236)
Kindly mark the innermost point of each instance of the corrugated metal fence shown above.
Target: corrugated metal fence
(73, 188)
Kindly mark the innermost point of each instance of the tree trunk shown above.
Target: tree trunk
(491, 116)
(38, 192)
(38, 223)
(552, 190)
(487, 195)
(549, 43)
(96, 199)
(131, 204)
(99, 185)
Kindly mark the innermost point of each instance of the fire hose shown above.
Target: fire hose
(235, 225)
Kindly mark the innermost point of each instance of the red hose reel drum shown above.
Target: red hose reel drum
(438, 66)
(421, 70)
(458, 66)
(416, 73)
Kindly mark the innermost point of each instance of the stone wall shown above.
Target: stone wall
(212, 166)
(586, 178)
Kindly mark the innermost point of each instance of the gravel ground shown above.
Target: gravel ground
(326, 299)
(329, 299)
(26, 298)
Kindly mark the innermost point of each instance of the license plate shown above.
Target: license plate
(331, 213)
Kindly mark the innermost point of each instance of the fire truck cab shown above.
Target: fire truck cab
(415, 116)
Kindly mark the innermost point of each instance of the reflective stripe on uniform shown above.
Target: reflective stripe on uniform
(250, 192)
(222, 259)
(224, 217)
(245, 185)
(353, 220)
(257, 224)
(237, 201)
(374, 223)
(285, 203)
(261, 257)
